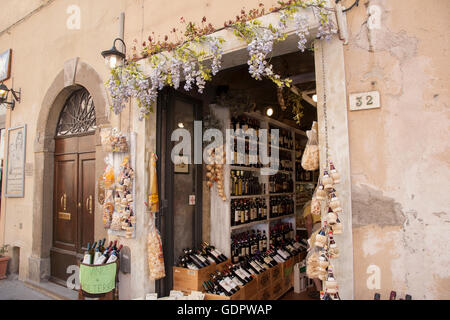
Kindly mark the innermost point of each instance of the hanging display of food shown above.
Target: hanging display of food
(113, 140)
(155, 255)
(117, 182)
(215, 168)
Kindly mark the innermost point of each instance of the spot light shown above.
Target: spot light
(269, 111)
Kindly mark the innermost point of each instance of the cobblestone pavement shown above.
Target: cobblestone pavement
(14, 289)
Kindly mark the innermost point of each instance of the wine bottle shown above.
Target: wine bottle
(104, 257)
(102, 245)
(393, 295)
(114, 255)
(193, 259)
(87, 255)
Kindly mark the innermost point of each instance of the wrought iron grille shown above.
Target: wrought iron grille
(78, 115)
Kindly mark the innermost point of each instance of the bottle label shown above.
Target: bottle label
(87, 259)
(254, 265)
(245, 273)
(240, 274)
(112, 258)
(225, 286)
(237, 282)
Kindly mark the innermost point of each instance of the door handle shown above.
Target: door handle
(63, 201)
(89, 204)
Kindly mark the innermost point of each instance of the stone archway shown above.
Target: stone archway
(75, 74)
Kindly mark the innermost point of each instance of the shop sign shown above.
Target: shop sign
(364, 100)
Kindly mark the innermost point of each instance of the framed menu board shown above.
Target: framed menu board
(15, 162)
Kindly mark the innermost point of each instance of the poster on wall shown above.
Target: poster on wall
(5, 65)
(15, 162)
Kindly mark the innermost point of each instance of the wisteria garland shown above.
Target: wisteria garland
(128, 81)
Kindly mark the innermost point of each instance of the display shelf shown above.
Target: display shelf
(249, 196)
(221, 229)
(250, 224)
(281, 194)
(281, 148)
(282, 217)
(239, 168)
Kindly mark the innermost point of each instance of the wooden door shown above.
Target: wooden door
(179, 222)
(73, 208)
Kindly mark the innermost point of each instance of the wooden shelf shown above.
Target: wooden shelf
(280, 194)
(249, 196)
(282, 217)
(239, 168)
(250, 224)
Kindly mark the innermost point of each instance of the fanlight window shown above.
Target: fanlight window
(78, 115)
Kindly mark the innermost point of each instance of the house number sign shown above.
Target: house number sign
(364, 100)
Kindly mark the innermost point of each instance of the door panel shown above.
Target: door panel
(180, 224)
(65, 217)
(86, 198)
(74, 206)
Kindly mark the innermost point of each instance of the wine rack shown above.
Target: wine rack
(221, 226)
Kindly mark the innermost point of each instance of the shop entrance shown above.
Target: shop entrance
(74, 184)
(180, 186)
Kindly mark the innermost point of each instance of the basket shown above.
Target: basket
(98, 280)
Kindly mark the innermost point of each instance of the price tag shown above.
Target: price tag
(364, 100)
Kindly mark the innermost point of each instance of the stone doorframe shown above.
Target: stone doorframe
(76, 73)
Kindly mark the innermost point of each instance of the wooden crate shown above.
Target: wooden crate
(297, 258)
(265, 294)
(250, 290)
(288, 282)
(276, 273)
(277, 289)
(255, 297)
(188, 280)
(263, 280)
(237, 296)
(288, 267)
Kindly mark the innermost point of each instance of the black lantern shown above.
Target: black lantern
(114, 57)
(4, 91)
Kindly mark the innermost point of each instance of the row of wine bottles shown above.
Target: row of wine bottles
(244, 183)
(280, 233)
(99, 254)
(281, 183)
(392, 296)
(281, 206)
(285, 138)
(245, 211)
(200, 258)
(245, 246)
(248, 243)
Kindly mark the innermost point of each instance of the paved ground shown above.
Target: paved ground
(14, 289)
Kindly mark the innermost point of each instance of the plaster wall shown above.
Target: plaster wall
(400, 153)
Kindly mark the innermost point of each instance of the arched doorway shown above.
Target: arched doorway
(74, 183)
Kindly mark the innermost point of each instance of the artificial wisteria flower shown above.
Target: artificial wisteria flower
(326, 28)
(217, 52)
(301, 30)
(189, 74)
(175, 72)
(200, 81)
(258, 49)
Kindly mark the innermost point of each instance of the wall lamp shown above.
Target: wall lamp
(4, 91)
(114, 57)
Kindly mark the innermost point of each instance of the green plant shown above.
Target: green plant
(4, 249)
